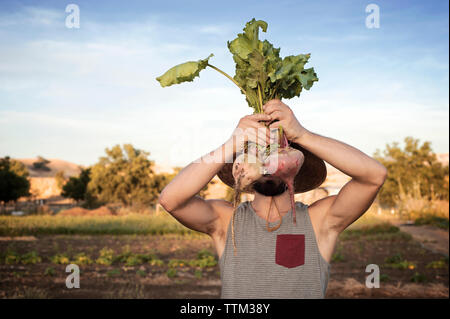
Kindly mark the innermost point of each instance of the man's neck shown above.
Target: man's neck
(261, 205)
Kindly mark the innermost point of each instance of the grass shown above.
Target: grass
(106, 257)
(49, 271)
(113, 272)
(374, 224)
(438, 264)
(92, 225)
(398, 262)
(437, 221)
(204, 259)
(381, 231)
(11, 257)
(171, 272)
(418, 278)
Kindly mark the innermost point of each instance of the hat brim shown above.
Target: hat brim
(311, 175)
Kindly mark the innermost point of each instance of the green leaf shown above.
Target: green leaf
(185, 72)
(308, 77)
(291, 77)
(248, 41)
(258, 66)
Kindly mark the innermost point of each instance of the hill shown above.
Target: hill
(55, 165)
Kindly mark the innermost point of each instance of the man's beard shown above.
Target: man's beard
(269, 187)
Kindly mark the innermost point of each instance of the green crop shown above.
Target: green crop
(261, 74)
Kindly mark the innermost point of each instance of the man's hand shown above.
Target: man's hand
(250, 129)
(284, 117)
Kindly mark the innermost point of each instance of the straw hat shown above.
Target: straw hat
(311, 175)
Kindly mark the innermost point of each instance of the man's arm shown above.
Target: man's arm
(179, 196)
(368, 175)
(356, 196)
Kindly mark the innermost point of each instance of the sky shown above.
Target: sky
(69, 93)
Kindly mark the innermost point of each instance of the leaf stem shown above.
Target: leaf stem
(234, 81)
(260, 99)
(274, 90)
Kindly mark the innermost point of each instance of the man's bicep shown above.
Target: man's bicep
(198, 214)
(350, 203)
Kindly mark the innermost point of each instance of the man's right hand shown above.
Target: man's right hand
(250, 128)
(210, 216)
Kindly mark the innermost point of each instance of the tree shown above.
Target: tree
(413, 171)
(13, 180)
(125, 176)
(60, 179)
(161, 180)
(41, 163)
(204, 191)
(77, 187)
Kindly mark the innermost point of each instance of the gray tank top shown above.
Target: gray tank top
(282, 264)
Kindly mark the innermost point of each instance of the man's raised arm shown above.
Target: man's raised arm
(179, 196)
(368, 175)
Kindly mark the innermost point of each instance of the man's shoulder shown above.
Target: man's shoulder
(221, 206)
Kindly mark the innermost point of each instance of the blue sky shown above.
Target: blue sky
(70, 93)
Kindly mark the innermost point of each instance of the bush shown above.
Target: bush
(178, 263)
(397, 262)
(61, 259)
(113, 272)
(30, 258)
(12, 257)
(171, 272)
(207, 261)
(419, 278)
(82, 259)
(440, 222)
(106, 257)
(49, 271)
(156, 262)
(437, 264)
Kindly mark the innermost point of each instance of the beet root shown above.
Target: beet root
(285, 164)
(247, 168)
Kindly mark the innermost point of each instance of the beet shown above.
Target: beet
(282, 163)
(247, 168)
(285, 164)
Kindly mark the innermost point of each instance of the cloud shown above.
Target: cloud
(33, 17)
(95, 87)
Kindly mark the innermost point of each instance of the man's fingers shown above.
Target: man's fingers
(272, 105)
(258, 135)
(259, 117)
(277, 115)
(256, 126)
(258, 139)
(270, 108)
(275, 125)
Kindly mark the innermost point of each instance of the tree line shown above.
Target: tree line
(126, 176)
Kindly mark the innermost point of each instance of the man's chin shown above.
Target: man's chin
(269, 186)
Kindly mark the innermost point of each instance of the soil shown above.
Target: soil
(432, 238)
(347, 279)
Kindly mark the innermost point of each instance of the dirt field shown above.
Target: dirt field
(404, 267)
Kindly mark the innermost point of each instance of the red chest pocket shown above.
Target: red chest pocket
(290, 250)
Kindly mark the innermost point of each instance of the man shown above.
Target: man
(291, 261)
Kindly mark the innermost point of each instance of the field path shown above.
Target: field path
(432, 238)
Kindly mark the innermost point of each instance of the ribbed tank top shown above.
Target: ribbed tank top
(282, 264)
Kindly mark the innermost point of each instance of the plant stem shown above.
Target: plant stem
(260, 99)
(234, 81)
(274, 90)
(283, 141)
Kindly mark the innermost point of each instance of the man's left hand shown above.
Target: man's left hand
(283, 116)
